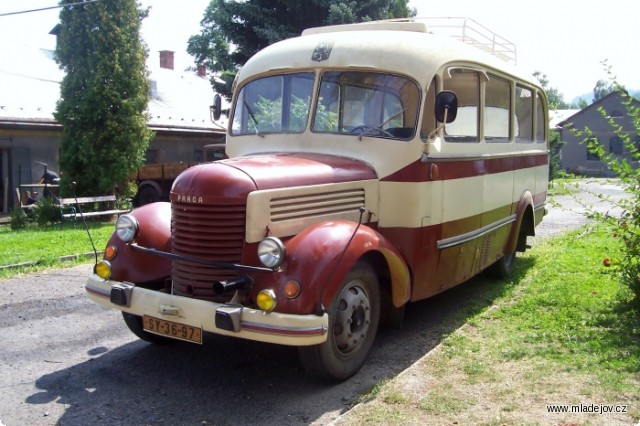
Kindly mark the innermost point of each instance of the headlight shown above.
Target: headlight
(271, 252)
(126, 228)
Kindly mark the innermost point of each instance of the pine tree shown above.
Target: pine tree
(103, 96)
(233, 30)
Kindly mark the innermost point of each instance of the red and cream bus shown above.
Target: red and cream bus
(370, 166)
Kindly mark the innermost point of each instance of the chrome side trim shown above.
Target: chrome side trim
(463, 238)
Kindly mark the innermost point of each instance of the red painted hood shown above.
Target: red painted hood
(237, 177)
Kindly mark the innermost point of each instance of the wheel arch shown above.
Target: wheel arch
(325, 253)
(524, 224)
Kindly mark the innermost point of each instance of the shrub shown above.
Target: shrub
(46, 212)
(627, 225)
(19, 219)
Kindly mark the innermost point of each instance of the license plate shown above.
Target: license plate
(172, 329)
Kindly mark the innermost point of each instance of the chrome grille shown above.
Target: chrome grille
(206, 232)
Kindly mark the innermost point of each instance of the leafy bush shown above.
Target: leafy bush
(627, 225)
(19, 219)
(46, 212)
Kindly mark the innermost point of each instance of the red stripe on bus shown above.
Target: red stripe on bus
(457, 169)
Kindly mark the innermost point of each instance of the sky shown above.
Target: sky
(565, 39)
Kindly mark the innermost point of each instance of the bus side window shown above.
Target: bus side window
(428, 117)
(541, 119)
(465, 84)
(524, 114)
(497, 110)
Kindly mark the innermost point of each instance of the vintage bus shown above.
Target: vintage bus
(370, 166)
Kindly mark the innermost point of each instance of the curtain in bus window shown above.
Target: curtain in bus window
(497, 110)
(466, 85)
(541, 122)
(524, 114)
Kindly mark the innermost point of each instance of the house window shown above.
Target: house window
(591, 154)
(616, 145)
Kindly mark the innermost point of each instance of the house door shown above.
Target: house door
(5, 193)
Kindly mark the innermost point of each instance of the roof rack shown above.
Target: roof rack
(471, 32)
(464, 29)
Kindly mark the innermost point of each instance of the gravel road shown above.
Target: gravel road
(67, 361)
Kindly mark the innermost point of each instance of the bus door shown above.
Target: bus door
(462, 171)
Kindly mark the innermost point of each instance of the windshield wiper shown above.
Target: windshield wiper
(253, 118)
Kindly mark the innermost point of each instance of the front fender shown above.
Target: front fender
(321, 256)
(154, 232)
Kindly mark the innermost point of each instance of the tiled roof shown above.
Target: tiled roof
(30, 88)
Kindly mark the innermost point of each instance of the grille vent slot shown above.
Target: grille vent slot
(314, 205)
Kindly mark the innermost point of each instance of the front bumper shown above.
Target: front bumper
(238, 321)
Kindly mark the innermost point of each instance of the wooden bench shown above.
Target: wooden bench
(22, 200)
(71, 208)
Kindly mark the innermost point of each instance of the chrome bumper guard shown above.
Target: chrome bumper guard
(227, 319)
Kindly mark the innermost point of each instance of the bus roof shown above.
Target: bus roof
(395, 46)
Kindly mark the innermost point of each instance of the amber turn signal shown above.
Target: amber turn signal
(103, 269)
(110, 252)
(292, 289)
(266, 300)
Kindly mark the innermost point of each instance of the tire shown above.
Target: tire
(147, 195)
(134, 322)
(354, 316)
(503, 268)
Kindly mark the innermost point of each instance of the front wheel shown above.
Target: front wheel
(353, 323)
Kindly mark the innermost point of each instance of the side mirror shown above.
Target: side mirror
(216, 108)
(446, 107)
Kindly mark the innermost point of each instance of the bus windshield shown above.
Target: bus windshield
(274, 104)
(351, 103)
(367, 103)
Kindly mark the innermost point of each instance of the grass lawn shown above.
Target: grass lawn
(45, 245)
(562, 333)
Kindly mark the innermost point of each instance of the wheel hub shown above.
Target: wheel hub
(353, 318)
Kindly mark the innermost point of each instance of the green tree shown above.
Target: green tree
(233, 30)
(602, 89)
(103, 96)
(556, 99)
(627, 225)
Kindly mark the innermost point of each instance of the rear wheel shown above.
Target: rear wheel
(353, 322)
(134, 322)
(503, 268)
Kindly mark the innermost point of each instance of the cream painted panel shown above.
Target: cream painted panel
(462, 198)
(498, 190)
(310, 205)
(414, 205)
(405, 204)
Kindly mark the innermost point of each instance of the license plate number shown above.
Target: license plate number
(172, 329)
